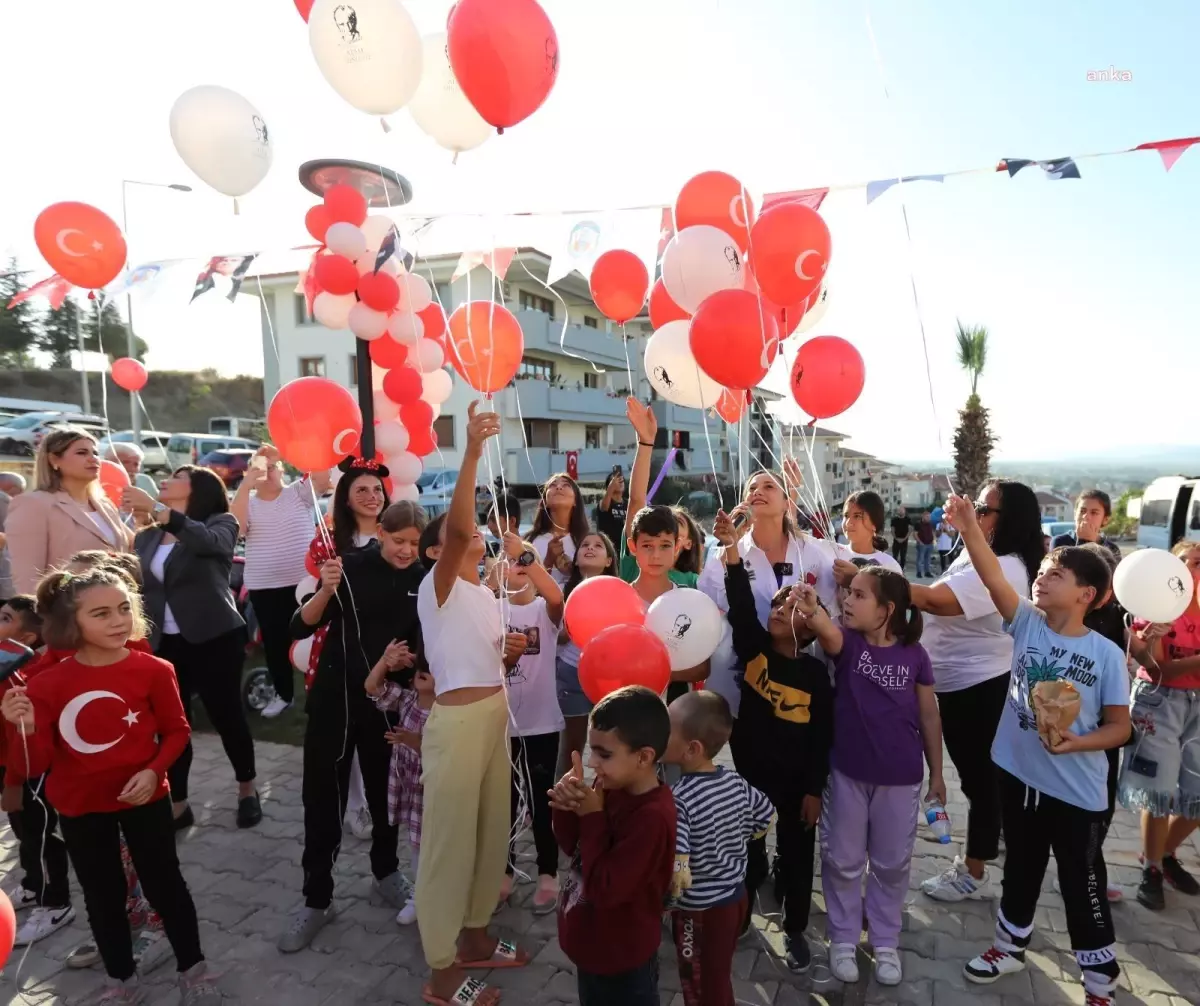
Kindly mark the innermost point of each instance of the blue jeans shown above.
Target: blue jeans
(924, 558)
(638, 987)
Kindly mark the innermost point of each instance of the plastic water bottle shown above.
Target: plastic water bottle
(939, 821)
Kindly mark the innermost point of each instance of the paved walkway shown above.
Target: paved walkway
(246, 883)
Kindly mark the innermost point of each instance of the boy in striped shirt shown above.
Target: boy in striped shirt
(717, 813)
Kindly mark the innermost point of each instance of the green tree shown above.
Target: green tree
(58, 333)
(973, 439)
(1120, 523)
(113, 336)
(18, 327)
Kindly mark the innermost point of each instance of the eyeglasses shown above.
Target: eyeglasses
(982, 509)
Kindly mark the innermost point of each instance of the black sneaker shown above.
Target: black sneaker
(1150, 890)
(1175, 875)
(249, 811)
(185, 820)
(798, 955)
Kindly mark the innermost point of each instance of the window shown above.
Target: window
(301, 307)
(541, 370)
(542, 433)
(592, 435)
(591, 380)
(590, 322)
(681, 439)
(1156, 513)
(353, 370)
(443, 426)
(312, 366)
(532, 302)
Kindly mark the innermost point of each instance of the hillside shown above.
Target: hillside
(174, 401)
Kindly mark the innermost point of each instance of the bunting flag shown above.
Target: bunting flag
(140, 276)
(666, 230)
(1169, 150)
(812, 198)
(53, 288)
(1058, 168)
(233, 266)
(577, 244)
(497, 261)
(307, 286)
(876, 189)
(391, 246)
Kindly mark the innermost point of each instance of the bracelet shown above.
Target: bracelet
(642, 443)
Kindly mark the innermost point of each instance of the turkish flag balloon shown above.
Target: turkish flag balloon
(504, 54)
(734, 338)
(402, 385)
(662, 308)
(623, 655)
(599, 602)
(318, 220)
(719, 200)
(827, 377)
(304, 6)
(82, 244)
(386, 352)
(314, 422)
(731, 405)
(789, 252)
(618, 284)
(486, 344)
(129, 374)
(113, 478)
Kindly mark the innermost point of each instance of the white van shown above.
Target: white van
(1168, 511)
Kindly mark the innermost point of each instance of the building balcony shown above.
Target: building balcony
(542, 333)
(536, 464)
(543, 400)
(678, 417)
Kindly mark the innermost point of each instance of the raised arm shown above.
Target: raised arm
(828, 633)
(645, 426)
(460, 525)
(254, 476)
(546, 586)
(215, 537)
(938, 599)
(961, 513)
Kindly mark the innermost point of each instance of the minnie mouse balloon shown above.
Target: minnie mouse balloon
(368, 50)
(222, 138)
(699, 261)
(673, 370)
(439, 108)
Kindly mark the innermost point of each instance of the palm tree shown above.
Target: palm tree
(973, 440)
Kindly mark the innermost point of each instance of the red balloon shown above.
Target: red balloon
(113, 478)
(82, 244)
(378, 291)
(345, 203)
(304, 6)
(487, 343)
(318, 221)
(314, 422)
(789, 252)
(618, 283)
(598, 603)
(336, 273)
(434, 320)
(734, 338)
(422, 442)
(663, 308)
(719, 200)
(129, 374)
(8, 928)
(731, 405)
(402, 385)
(386, 352)
(504, 54)
(416, 415)
(623, 655)
(827, 377)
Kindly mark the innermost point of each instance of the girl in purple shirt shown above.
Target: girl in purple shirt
(884, 716)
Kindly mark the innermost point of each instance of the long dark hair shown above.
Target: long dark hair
(207, 495)
(689, 561)
(1019, 524)
(578, 527)
(891, 588)
(345, 523)
(576, 577)
(871, 504)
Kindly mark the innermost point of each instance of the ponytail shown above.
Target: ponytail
(913, 626)
(879, 543)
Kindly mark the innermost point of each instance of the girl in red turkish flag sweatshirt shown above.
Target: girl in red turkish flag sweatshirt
(107, 723)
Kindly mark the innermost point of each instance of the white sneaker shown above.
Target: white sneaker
(843, 963)
(43, 922)
(957, 884)
(21, 897)
(887, 966)
(274, 708)
(360, 824)
(408, 914)
(991, 965)
(150, 949)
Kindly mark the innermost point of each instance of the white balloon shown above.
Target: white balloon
(406, 492)
(436, 386)
(439, 108)
(420, 296)
(815, 313)
(673, 370)
(370, 52)
(375, 228)
(333, 309)
(436, 410)
(385, 408)
(699, 261)
(377, 375)
(344, 238)
(300, 653)
(365, 263)
(366, 322)
(429, 356)
(406, 328)
(1154, 585)
(405, 467)
(305, 587)
(391, 438)
(690, 624)
(222, 138)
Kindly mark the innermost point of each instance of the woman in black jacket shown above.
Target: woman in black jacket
(186, 555)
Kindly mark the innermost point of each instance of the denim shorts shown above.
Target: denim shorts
(1161, 770)
(571, 699)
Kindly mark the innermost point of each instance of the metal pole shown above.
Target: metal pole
(83, 371)
(366, 397)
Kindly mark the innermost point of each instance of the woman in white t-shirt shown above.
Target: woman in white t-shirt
(945, 542)
(559, 525)
(532, 604)
(972, 657)
(862, 516)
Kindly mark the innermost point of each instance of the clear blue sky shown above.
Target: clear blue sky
(1089, 287)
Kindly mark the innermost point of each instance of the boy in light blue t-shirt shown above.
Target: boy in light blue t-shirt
(1053, 781)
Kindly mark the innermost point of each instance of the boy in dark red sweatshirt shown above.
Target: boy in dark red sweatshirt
(620, 835)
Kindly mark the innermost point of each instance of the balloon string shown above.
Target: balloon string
(562, 335)
(628, 368)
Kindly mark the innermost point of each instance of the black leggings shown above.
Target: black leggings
(212, 670)
(795, 849)
(536, 765)
(274, 607)
(969, 721)
(34, 827)
(94, 842)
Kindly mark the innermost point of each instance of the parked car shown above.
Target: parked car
(153, 444)
(436, 486)
(1167, 512)
(189, 448)
(22, 435)
(230, 464)
(1053, 528)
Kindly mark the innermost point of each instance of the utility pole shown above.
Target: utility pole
(83, 371)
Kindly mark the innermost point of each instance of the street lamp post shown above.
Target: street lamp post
(135, 414)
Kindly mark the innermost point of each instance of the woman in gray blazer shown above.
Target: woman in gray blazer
(186, 556)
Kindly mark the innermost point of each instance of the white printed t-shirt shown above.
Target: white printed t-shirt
(532, 685)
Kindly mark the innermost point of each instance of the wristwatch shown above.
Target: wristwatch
(159, 510)
(526, 558)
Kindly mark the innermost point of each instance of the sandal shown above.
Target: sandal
(470, 993)
(504, 956)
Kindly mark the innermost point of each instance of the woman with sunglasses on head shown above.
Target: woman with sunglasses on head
(972, 655)
(559, 526)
